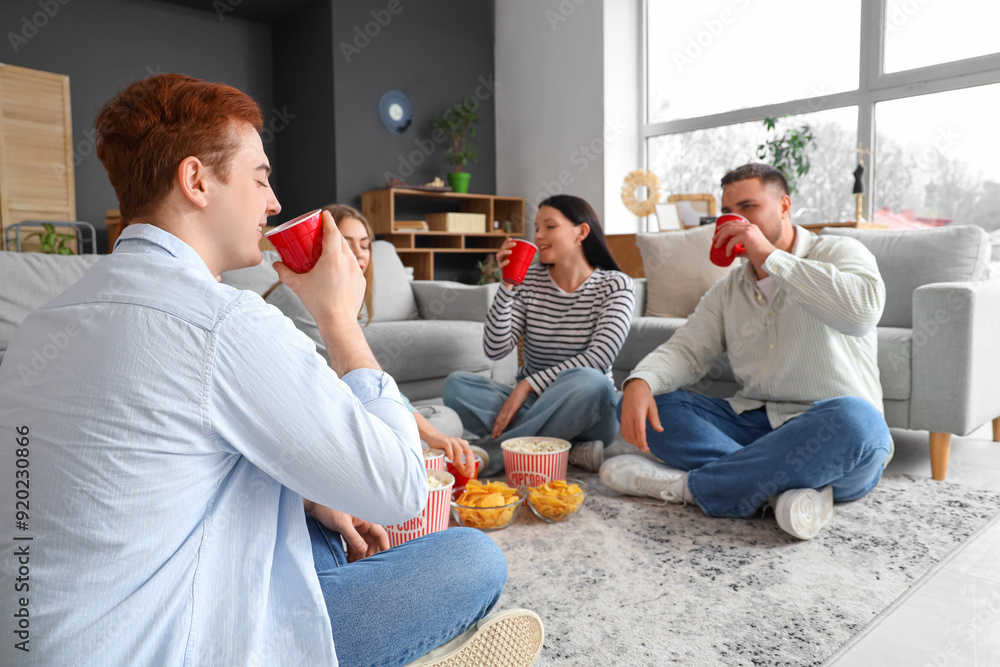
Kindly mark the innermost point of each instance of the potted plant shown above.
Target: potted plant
(459, 125)
(52, 242)
(489, 272)
(787, 151)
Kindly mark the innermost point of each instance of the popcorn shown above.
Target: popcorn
(534, 445)
(434, 483)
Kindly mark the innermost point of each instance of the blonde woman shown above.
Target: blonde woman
(359, 236)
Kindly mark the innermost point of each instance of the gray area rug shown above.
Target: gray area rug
(630, 582)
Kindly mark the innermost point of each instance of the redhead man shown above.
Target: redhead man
(797, 323)
(173, 441)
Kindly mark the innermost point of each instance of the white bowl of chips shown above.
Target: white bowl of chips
(557, 500)
(487, 506)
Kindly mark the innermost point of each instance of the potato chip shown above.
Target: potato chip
(556, 499)
(482, 497)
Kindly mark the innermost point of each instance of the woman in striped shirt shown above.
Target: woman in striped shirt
(574, 309)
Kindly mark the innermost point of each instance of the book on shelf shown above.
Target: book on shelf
(410, 225)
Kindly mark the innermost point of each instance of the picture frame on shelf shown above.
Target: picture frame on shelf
(668, 218)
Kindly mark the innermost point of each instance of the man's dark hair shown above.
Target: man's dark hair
(765, 172)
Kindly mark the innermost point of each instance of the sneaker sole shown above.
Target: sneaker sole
(810, 513)
(511, 639)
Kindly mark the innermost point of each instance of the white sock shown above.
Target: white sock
(688, 498)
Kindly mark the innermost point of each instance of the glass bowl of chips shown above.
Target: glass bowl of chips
(557, 500)
(487, 505)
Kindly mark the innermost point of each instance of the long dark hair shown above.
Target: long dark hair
(578, 211)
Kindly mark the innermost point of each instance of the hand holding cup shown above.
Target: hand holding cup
(333, 289)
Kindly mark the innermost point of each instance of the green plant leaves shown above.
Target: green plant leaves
(459, 124)
(787, 151)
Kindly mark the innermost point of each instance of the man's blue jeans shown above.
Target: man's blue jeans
(395, 606)
(735, 462)
(579, 405)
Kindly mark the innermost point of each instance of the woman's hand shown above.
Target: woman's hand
(510, 407)
(363, 538)
(456, 449)
(502, 261)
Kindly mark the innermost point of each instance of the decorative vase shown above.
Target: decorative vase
(459, 181)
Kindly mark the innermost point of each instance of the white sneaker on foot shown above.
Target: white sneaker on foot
(804, 512)
(503, 639)
(588, 455)
(638, 476)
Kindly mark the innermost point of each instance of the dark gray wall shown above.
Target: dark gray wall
(437, 53)
(303, 86)
(102, 45)
(322, 131)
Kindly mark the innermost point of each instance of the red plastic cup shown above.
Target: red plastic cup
(534, 468)
(519, 260)
(460, 479)
(718, 255)
(299, 242)
(434, 517)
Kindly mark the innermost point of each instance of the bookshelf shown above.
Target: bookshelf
(420, 249)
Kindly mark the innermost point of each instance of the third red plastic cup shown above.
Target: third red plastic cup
(299, 242)
(519, 261)
(718, 255)
(460, 479)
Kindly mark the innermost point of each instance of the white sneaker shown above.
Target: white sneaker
(503, 639)
(587, 455)
(804, 512)
(638, 476)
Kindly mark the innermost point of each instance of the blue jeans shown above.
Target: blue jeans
(579, 405)
(735, 462)
(395, 606)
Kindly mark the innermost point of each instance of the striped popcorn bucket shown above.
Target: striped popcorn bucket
(531, 468)
(434, 460)
(432, 519)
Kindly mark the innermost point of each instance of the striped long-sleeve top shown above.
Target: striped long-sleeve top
(562, 330)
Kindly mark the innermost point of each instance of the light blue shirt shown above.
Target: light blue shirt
(174, 425)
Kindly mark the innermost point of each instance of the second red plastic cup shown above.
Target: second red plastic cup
(718, 255)
(519, 261)
(299, 242)
(460, 479)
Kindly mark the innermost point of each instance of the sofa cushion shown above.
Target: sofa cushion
(447, 300)
(645, 335)
(894, 347)
(392, 296)
(678, 271)
(255, 278)
(419, 349)
(912, 258)
(31, 280)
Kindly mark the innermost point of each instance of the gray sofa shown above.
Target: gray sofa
(938, 355)
(421, 330)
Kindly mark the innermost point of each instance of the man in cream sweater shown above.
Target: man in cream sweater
(798, 324)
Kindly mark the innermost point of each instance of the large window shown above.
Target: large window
(915, 82)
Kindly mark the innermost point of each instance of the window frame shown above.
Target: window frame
(874, 85)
